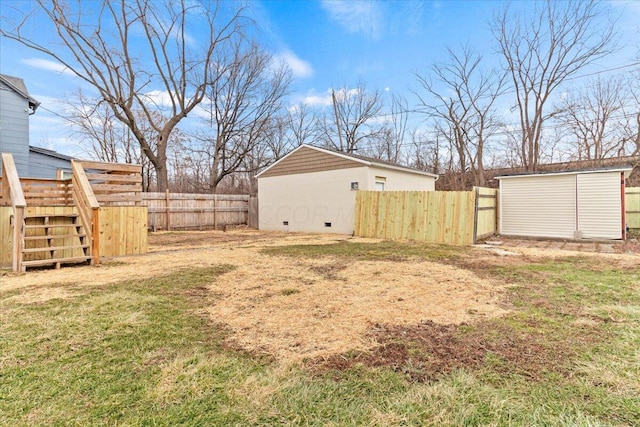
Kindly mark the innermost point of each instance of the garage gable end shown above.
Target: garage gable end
(307, 159)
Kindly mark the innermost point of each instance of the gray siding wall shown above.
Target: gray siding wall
(14, 128)
(42, 166)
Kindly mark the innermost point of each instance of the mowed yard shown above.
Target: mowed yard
(250, 328)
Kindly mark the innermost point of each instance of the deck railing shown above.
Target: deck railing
(114, 184)
(13, 196)
(88, 208)
(47, 192)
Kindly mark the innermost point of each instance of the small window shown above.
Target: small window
(285, 222)
(64, 174)
(354, 185)
(380, 183)
(327, 224)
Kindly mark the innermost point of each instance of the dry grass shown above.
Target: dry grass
(332, 311)
(290, 308)
(296, 308)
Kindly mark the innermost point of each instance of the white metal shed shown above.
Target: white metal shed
(568, 205)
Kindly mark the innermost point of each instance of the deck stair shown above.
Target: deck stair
(54, 239)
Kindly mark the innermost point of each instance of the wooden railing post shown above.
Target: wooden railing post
(88, 208)
(12, 191)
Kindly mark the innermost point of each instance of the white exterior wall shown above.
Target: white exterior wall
(307, 201)
(600, 205)
(396, 180)
(538, 206)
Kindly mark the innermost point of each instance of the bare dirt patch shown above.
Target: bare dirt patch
(426, 351)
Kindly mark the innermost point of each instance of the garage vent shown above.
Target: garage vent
(285, 222)
(327, 224)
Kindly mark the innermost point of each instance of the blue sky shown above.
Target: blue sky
(327, 44)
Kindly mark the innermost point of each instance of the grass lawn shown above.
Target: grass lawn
(144, 352)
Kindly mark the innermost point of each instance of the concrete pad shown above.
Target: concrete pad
(607, 248)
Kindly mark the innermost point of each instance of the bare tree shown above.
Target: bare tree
(354, 110)
(425, 151)
(301, 123)
(388, 143)
(107, 139)
(463, 102)
(100, 134)
(631, 123)
(133, 52)
(542, 50)
(243, 104)
(593, 116)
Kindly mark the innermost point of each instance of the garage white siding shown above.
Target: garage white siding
(316, 202)
(599, 205)
(538, 206)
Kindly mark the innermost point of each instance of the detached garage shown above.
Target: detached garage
(313, 189)
(567, 205)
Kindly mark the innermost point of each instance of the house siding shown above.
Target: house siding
(396, 180)
(306, 160)
(308, 201)
(14, 127)
(43, 166)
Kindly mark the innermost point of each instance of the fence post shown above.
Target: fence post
(252, 218)
(215, 214)
(167, 203)
(476, 194)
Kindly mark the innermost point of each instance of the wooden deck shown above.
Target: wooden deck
(53, 222)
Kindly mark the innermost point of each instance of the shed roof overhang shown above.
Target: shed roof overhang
(626, 169)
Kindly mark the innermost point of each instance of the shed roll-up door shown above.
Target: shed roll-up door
(599, 205)
(542, 207)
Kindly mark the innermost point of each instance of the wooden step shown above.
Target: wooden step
(45, 226)
(55, 236)
(42, 215)
(53, 248)
(56, 261)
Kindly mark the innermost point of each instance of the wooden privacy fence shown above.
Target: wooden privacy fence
(632, 207)
(171, 211)
(450, 217)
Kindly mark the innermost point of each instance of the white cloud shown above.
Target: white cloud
(47, 65)
(325, 99)
(299, 67)
(318, 100)
(159, 97)
(356, 16)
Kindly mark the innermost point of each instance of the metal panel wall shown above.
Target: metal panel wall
(538, 206)
(599, 205)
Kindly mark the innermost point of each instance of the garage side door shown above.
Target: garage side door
(599, 205)
(538, 206)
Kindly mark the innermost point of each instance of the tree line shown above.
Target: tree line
(145, 74)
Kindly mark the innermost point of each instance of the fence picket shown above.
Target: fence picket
(431, 216)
